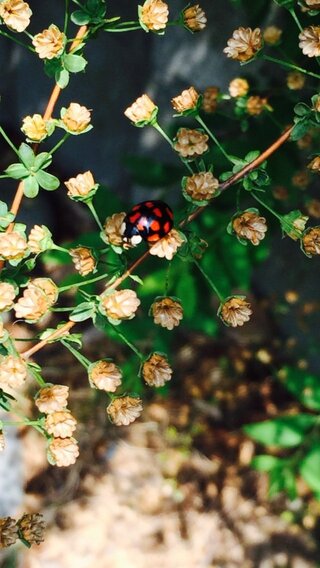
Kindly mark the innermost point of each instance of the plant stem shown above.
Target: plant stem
(7, 139)
(277, 215)
(94, 214)
(208, 279)
(66, 17)
(127, 342)
(81, 358)
(166, 137)
(295, 17)
(9, 36)
(62, 309)
(61, 249)
(131, 29)
(212, 136)
(82, 283)
(290, 66)
(57, 146)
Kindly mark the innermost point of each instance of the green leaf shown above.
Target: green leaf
(136, 278)
(17, 171)
(303, 385)
(83, 311)
(62, 78)
(47, 181)
(80, 18)
(288, 4)
(26, 155)
(74, 63)
(30, 187)
(283, 432)
(5, 216)
(52, 66)
(42, 160)
(300, 128)
(310, 468)
(266, 463)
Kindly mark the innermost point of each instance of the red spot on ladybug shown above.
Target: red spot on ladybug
(134, 218)
(157, 212)
(135, 208)
(151, 220)
(167, 227)
(153, 238)
(149, 204)
(155, 226)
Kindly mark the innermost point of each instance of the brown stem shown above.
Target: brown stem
(61, 331)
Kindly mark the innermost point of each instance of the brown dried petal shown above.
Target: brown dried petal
(60, 424)
(167, 312)
(105, 375)
(32, 527)
(52, 399)
(156, 370)
(64, 451)
(124, 410)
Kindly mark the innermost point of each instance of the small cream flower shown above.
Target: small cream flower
(81, 185)
(311, 241)
(105, 375)
(210, 99)
(156, 370)
(112, 229)
(13, 246)
(16, 14)
(52, 399)
(235, 311)
(32, 527)
(167, 312)
(2, 447)
(39, 239)
(60, 424)
(83, 260)
(143, 110)
(34, 127)
(168, 245)
(48, 287)
(238, 87)
(13, 371)
(8, 532)
(7, 295)
(120, 304)
(154, 15)
(190, 143)
(64, 451)
(244, 44)
(310, 41)
(295, 80)
(314, 165)
(76, 118)
(194, 18)
(256, 105)
(188, 100)
(313, 4)
(49, 43)
(250, 226)
(122, 411)
(272, 35)
(32, 305)
(201, 187)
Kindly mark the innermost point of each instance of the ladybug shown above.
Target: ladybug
(148, 221)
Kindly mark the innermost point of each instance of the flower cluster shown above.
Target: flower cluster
(29, 529)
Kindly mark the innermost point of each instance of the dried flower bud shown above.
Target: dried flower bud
(13, 371)
(105, 375)
(200, 187)
(314, 165)
(52, 399)
(168, 245)
(16, 14)
(194, 18)
(210, 99)
(167, 312)
(32, 305)
(310, 41)
(8, 532)
(124, 410)
(81, 186)
(238, 87)
(188, 100)
(235, 311)
(301, 179)
(311, 241)
(143, 111)
(48, 287)
(256, 105)
(154, 15)
(313, 208)
(2, 447)
(190, 143)
(244, 44)
(63, 451)
(250, 226)
(13, 246)
(112, 229)
(40, 239)
(34, 127)
(156, 370)
(295, 80)
(272, 35)
(119, 304)
(60, 424)
(313, 4)
(7, 295)
(76, 118)
(31, 528)
(293, 224)
(49, 43)
(83, 259)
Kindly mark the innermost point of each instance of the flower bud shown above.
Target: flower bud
(238, 87)
(7, 295)
(200, 187)
(13, 246)
(33, 305)
(272, 35)
(105, 375)
(156, 370)
(167, 312)
(40, 239)
(112, 229)
(143, 111)
(311, 241)
(295, 80)
(60, 424)
(81, 186)
(34, 127)
(31, 528)
(187, 101)
(314, 165)
(210, 99)
(194, 18)
(310, 41)
(52, 399)
(48, 287)
(49, 43)
(256, 105)
(63, 451)
(244, 44)
(168, 245)
(235, 311)
(250, 226)
(83, 260)
(16, 14)
(154, 15)
(76, 118)
(8, 532)
(124, 410)
(190, 143)
(13, 371)
(119, 304)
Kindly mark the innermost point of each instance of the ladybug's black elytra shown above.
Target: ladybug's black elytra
(149, 221)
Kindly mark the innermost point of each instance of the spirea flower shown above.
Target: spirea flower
(143, 111)
(310, 41)
(32, 527)
(154, 15)
(256, 105)
(105, 375)
(83, 260)
(168, 245)
(76, 118)
(167, 312)
(13, 371)
(190, 143)
(49, 43)
(156, 370)
(39, 239)
(2, 447)
(81, 186)
(34, 127)
(301, 179)
(311, 241)
(124, 410)
(32, 305)
(48, 287)
(238, 87)
(244, 44)
(314, 165)
(200, 187)
(294, 224)
(63, 451)
(235, 311)
(16, 14)
(8, 532)
(60, 424)
(210, 99)
(194, 18)
(250, 226)
(112, 229)
(52, 399)
(313, 4)
(295, 80)
(188, 100)
(120, 304)
(7, 295)
(313, 208)
(272, 35)
(13, 246)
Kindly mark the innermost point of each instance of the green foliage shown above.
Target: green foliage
(282, 432)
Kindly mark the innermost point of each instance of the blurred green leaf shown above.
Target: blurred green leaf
(303, 385)
(283, 432)
(310, 468)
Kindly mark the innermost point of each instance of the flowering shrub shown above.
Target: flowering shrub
(206, 169)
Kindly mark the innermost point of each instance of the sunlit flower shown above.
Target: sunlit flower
(32, 305)
(311, 241)
(250, 226)
(310, 41)
(8, 532)
(76, 118)
(201, 187)
(191, 143)
(272, 35)
(52, 399)
(167, 312)
(16, 14)
(112, 229)
(168, 245)
(120, 304)
(244, 44)
(48, 287)
(105, 375)
(81, 185)
(295, 80)
(256, 105)
(156, 370)
(235, 311)
(2, 447)
(188, 100)
(83, 260)
(143, 110)
(49, 43)
(210, 99)
(60, 424)
(238, 87)
(32, 527)
(194, 18)
(124, 410)
(63, 451)
(154, 15)
(13, 371)
(39, 239)
(34, 127)
(13, 246)
(314, 165)
(7, 295)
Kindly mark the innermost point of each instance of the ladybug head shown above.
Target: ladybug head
(130, 234)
